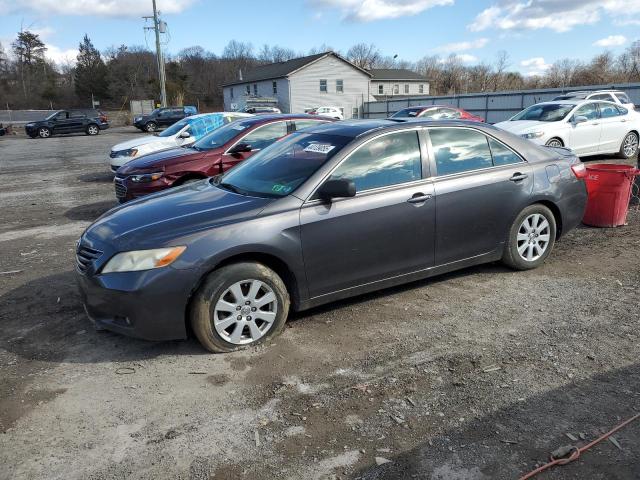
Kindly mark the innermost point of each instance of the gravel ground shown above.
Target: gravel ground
(477, 374)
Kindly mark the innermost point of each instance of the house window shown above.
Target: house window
(420, 88)
(231, 92)
(248, 90)
(406, 88)
(275, 87)
(380, 89)
(355, 112)
(396, 89)
(323, 86)
(339, 86)
(255, 89)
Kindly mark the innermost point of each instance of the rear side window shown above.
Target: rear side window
(449, 113)
(623, 98)
(608, 110)
(602, 96)
(622, 110)
(264, 136)
(388, 160)
(502, 155)
(590, 111)
(459, 150)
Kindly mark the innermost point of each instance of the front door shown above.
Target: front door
(480, 187)
(62, 123)
(386, 230)
(585, 136)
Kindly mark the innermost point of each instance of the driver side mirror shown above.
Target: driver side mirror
(241, 147)
(580, 119)
(185, 134)
(340, 188)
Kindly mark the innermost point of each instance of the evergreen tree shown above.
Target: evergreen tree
(29, 52)
(91, 74)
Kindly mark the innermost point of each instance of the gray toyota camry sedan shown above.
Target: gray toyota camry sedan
(323, 214)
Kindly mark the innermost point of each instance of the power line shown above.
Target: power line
(159, 27)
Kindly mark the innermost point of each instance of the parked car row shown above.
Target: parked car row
(320, 211)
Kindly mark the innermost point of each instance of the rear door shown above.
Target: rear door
(614, 126)
(258, 138)
(61, 123)
(585, 137)
(386, 230)
(480, 186)
(77, 121)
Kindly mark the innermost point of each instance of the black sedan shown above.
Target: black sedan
(327, 213)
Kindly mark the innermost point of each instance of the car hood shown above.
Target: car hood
(523, 126)
(136, 142)
(158, 160)
(163, 218)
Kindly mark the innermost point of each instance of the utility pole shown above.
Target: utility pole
(159, 25)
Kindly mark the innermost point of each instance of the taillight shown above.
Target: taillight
(579, 170)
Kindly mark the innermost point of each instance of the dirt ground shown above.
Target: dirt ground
(473, 375)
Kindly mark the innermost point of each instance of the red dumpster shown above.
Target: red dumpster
(609, 189)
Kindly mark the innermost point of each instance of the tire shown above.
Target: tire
(215, 302)
(93, 129)
(150, 127)
(44, 132)
(522, 250)
(554, 142)
(629, 146)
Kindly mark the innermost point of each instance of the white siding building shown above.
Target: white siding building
(325, 79)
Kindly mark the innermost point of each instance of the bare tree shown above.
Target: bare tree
(364, 56)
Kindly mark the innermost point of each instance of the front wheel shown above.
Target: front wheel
(93, 130)
(531, 238)
(554, 142)
(238, 306)
(151, 127)
(44, 132)
(629, 145)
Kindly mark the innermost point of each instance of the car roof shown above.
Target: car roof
(569, 101)
(424, 107)
(255, 119)
(202, 115)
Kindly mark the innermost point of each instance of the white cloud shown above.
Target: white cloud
(462, 57)
(611, 41)
(60, 56)
(99, 8)
(556, 15)
(462, 46)
(534, 66)
(371, 10)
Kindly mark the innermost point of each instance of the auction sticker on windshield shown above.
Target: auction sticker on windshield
(319, 148)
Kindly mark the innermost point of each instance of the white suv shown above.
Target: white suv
(333, 112)
(615, 96)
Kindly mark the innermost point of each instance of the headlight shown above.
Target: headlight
(137, 260)
(532, 135)
(131, 152)
(137, 119)
(29, 124)
(146, 177)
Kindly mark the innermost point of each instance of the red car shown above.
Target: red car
(213, 154)
(436, 112)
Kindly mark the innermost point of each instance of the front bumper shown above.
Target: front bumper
(151, 305)
(103, 125)
(127, 190)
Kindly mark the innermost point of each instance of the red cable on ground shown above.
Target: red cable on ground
(575, 451)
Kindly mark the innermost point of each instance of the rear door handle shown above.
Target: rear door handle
(518, 177)
(420, 197)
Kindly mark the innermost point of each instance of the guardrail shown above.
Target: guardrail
(493, 107)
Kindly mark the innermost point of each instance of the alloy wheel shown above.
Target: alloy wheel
(44, 132)
(93, 130)
(630, 145)
(533, 237)
(554, 142)
(245, 312)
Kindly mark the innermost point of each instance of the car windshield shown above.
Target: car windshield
(155, 111)
(548, 112)
(220, 136)
(50, 116)
(282, 167)
(408, 112)
(173, 129)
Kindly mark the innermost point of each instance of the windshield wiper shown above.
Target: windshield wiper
(232, 188)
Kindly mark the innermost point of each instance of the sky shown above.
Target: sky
(535, 33)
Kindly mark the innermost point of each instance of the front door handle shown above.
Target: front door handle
(518, 177)
(420, 197)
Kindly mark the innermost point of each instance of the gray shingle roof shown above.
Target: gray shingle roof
(395, 74)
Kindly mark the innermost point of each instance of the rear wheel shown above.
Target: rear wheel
(531, 238)
(151, 127)
(44, 132)
(629, 146)
(554, 142)
(238, 306)
(93, 130)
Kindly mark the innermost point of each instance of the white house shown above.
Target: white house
(324, 79)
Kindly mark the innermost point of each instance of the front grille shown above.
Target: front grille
(121, 189)
(85, 257)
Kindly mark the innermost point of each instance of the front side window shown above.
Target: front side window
(502, 155)
(432, 113)
(380, 89)
(544, 112)
(264, 136)
(608, 110)
(589, 110)
(61, 116)
(221, 136)
(339, 86)
(622, 110)
(459, 150)
(387, 160)
(173, 129)
(323, 86)
(284, 166)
